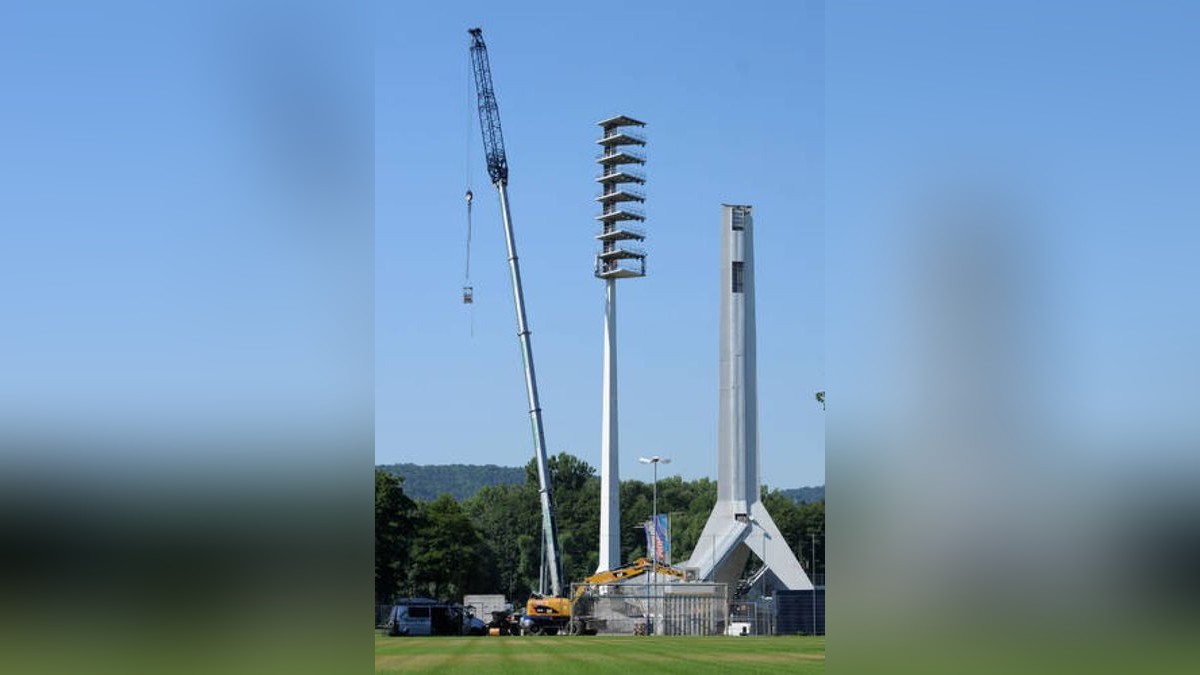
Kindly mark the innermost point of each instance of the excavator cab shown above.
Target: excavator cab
(546, 616)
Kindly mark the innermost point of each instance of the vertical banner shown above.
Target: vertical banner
(648, 528)
(659, 537)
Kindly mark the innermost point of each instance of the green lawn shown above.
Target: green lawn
(625, 655)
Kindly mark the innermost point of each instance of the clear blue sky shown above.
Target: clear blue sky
(1077, 121)
(156, 165)
(732, 94)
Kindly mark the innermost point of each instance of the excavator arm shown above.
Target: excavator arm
(634, 569)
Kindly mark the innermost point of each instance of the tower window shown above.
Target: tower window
(739, 219)
(739, 272)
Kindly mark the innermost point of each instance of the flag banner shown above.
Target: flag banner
(648, 528)
(662, 538)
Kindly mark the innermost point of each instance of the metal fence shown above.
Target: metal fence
(658, 608)
(800, 612)
(752, 617)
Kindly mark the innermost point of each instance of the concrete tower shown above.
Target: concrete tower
(617, 259)
(739, 524)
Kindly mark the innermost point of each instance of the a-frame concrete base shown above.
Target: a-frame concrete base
(728, 540)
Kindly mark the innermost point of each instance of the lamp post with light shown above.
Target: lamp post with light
(653, 543)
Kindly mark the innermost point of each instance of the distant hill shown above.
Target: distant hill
(462, 481)
(805, 495)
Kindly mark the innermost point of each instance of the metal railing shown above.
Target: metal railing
(634, 266)
(625, 207)
(638, 136)
(623, 174)
(634, 195)
(638, 231)
(635, 251)
(637, 157)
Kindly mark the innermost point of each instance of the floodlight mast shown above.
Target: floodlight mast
(497, 164)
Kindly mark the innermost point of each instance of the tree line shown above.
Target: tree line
(491, 542)
(461, 481)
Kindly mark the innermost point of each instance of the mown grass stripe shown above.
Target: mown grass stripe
(619, 655)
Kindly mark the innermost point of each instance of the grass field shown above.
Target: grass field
(563, 655)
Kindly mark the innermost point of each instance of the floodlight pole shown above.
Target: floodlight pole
(620, 257)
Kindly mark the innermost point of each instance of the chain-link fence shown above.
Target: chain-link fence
(656, 608)
(752, 617)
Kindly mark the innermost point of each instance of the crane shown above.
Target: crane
(497, 165)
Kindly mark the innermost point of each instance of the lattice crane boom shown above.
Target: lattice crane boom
(497, 163)
(489, 112)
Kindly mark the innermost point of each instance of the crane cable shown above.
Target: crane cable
(467, 276)
(468, 289)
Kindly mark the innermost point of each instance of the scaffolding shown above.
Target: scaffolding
(635, 608)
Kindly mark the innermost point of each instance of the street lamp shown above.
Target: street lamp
(813, 535)
(655, 460)
(645, 527)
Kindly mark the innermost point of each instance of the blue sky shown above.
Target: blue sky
(850, 128)
(1074, 119)
(733, 98)
(187, 244)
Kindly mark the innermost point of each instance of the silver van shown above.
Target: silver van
(425, 616)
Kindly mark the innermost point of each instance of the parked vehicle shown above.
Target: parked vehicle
(546, 616)
(425, 616)
(484, 606)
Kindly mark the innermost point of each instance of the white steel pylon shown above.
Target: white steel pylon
(739, 524)
(618, 258)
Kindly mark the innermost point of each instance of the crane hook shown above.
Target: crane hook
(468, 294)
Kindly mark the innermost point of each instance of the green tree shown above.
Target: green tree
(508, 520)
(576, 490)
(394, 529)
(448, 556)
(812, 518)
(492, 543)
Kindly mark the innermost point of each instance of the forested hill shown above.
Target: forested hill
(462, 481)
(806, 495)
(428, 481)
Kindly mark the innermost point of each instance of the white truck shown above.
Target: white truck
(486, 607)
(425, 616)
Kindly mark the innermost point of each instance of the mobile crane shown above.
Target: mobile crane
(551, 602)
(550, 610)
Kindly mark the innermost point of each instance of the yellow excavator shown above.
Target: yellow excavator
(550, 615)
(636, 568)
